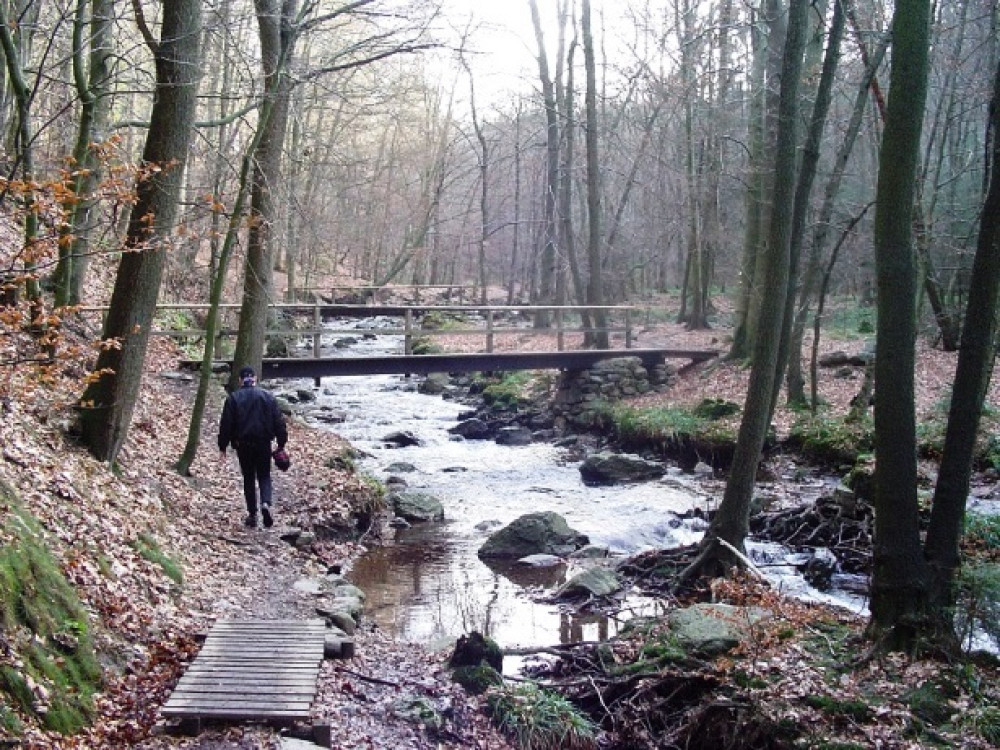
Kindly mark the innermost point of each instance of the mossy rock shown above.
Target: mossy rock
(861, 479)
(424, 345)
(478, 679)
(475, 650)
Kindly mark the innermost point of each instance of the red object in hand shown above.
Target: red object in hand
(281, 459)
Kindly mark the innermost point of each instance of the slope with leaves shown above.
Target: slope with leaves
(153, 556)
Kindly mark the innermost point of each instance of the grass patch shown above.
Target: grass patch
(441, 320)
(982, 532)
(668, 428)
(984, 722)
(149, 549)
(833, 440)
(848, 321)
(43, 621)
(424, 345)
(537, 719)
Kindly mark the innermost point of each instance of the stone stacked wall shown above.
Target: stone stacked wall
(580, 391)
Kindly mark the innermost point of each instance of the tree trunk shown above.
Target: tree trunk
(547, 256)
(595, 284)
(14, 57)
(899, 579)
(744, 332)
(822, 229)
(277, 42)
(731, 522)
(972, 378)
(92, 87)
(108, 402)
(803, 193)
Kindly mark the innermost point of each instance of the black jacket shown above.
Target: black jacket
(251, 416)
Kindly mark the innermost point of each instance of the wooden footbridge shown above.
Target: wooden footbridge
(491, 323)
(424, 364)
(262, 671)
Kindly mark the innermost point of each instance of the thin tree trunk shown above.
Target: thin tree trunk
(595, 284)
(822, 229)
(899, 579)
(277, 41)
(972, 377)
(547, 256)
(803, 191)
(731, 522)
(744, 332)
(93, 90)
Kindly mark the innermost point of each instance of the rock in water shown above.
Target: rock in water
(610, 468)
(417, 507)
(543, 533)
(595, 581)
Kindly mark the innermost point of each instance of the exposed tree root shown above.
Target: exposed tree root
(843, 528)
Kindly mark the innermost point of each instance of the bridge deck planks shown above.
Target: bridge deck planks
(424, 364)
(252, 670)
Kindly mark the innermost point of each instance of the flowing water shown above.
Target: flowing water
(427, 584)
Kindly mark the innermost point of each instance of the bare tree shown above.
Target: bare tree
(899, 578)
(730, 526)
(108, 402)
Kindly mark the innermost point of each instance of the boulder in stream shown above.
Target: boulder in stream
(401, 439)
(472, 429)
(513, 435)
(612, 468)
(533, 534)
(596, 581)
(434, 384)
(417, 507)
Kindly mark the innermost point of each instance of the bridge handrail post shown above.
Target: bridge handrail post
(560, 333)
(408, 334)
(317, 336)
(489, 331)
(628, 328)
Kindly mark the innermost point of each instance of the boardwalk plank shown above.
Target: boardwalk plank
(256, 670)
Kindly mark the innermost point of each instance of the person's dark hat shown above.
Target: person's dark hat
(247, 372)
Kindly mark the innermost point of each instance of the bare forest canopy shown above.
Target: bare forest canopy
(774, 151)
(403, 159)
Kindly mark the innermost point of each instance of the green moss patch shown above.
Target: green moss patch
(45, 624)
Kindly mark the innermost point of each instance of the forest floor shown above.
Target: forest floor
(150, 623)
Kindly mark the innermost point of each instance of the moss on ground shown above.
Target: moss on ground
(44, 622)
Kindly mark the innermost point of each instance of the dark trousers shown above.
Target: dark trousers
(255, 464)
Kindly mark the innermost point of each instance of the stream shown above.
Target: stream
(426, 583)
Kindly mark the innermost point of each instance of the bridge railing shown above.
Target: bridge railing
(562, 318)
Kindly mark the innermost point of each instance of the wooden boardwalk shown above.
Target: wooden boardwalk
(251, 670)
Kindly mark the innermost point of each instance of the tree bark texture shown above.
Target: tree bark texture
(108, 402)
(899, 579)
(277, 42)
(731, 523)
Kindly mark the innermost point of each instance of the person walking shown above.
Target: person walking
(250, 420)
